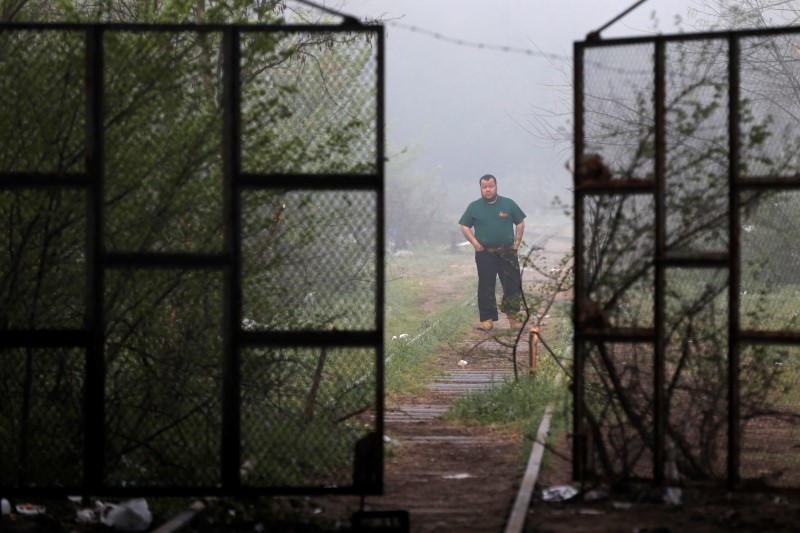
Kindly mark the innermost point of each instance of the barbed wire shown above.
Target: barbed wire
(475, 44)
(510, 49)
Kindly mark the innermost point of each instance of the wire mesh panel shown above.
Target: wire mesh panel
(308, 260)
(303, 411)
(43, 122)
(619, 414)
(696, 363)
(770, 407)
(163, 157)
(686, 189)
(696, 146)
(618, 116)
(41, 438)
(191, 223)
(770, 254)
(769, 74)
(163, 347)
(619, 241)
(44, 266)
(320, 98)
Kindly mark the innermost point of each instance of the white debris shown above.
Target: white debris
(457, 476)
(390, 441)
(85, 516)
(5, 507)
(559, 493)
(29, 509)
(462, 363)
(403, 336)
(132, 515)
(246, 468)
(672, 495)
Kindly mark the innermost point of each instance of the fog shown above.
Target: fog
(455, 112)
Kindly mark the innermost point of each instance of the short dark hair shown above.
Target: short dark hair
(487, 177)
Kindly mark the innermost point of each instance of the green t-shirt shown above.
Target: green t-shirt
(493, 223)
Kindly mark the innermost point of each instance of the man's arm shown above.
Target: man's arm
(519, 229)
(467, 232)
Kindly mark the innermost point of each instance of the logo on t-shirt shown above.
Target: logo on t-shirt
(503, 214)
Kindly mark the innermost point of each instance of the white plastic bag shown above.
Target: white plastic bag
(132, 515)
(560, 493)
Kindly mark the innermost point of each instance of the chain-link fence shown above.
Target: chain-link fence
(687, 363)
(191, 228)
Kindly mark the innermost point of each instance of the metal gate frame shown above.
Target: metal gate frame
(368, 457)
(737, 337)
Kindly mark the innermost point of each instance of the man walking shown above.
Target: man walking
(499, 224)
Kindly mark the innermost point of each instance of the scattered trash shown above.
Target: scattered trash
(132, 515)
(402, 336)
(560, 493)
(462, 363)
(590, 511)
(457, 476)
(5, 507)
(621, 506)
(29, 509)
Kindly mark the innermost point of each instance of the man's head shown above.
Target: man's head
(488, 188)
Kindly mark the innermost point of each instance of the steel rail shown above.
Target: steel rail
(516, 520)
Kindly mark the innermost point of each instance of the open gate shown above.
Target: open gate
(192, 264)
(687, 187)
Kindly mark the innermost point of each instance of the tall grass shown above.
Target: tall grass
(519, 405)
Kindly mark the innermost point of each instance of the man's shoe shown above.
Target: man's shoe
(486, 325)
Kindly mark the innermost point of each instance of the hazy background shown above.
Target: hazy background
(456, 112)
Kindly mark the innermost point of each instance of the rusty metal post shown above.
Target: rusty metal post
(533, 341)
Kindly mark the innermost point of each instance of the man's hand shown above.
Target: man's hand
(519, 230)
(467, 233)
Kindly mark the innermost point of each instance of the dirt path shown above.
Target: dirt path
(451, 478)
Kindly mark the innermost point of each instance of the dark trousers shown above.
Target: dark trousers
(502, 263)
